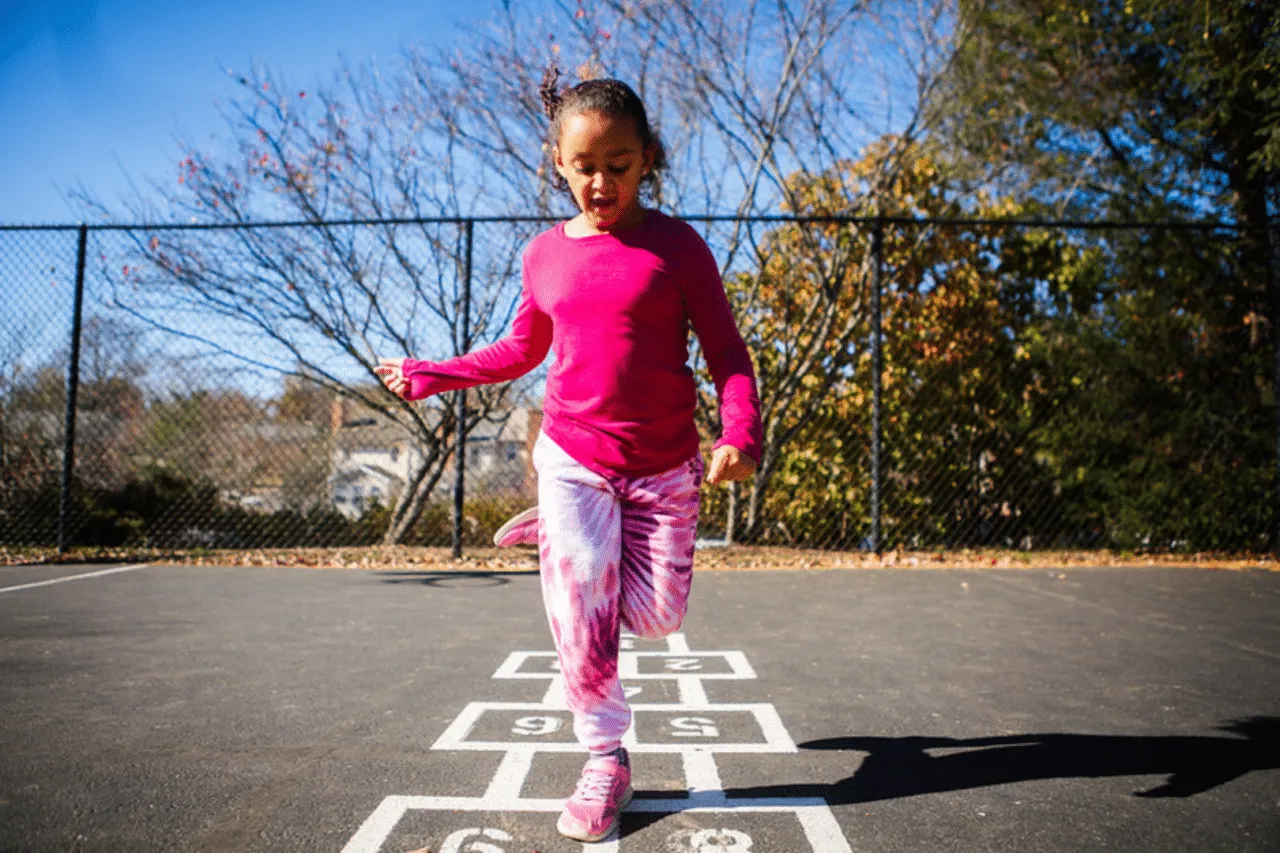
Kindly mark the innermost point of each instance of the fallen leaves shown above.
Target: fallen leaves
(733, 558)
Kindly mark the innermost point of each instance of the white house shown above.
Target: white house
(372, 458)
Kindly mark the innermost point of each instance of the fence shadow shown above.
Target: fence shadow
(902, 767)
(450, 580)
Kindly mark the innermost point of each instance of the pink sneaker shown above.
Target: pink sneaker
(519, 530)
(591, 814)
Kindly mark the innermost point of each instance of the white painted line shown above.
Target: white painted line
(819, 824)
(510, 667)
(629, 736)
(510, 776)
(685, 663)
(511, 664)
(628, 740)
(482, 804)
(741, 667)
(460, 727)
(705, 788)
(776, 738)
(775, 733)
(376, 828)
(709, 804)
(751, 707)
(821, 829)
(701, 774)
(669, 676)
(692, 693)
(98, 574)
(667, 806)
(629, 665)
(554, 698)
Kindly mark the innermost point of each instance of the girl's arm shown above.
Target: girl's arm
(725, 351)
(520, 351)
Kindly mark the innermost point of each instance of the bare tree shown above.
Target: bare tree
(773, 87)
(775, 92)
(809, 134)
(31, 402)
(372, 267)
(746, 94)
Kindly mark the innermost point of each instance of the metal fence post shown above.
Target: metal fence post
(730, 522)
(73, 388)
(877, 369)
(460, 434)
(1271, 252)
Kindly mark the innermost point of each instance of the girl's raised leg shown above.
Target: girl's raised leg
(659, 531)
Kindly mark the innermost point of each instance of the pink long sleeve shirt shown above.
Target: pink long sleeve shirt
(616, 308)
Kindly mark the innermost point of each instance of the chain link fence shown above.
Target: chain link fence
(37, 290)
(924, 384)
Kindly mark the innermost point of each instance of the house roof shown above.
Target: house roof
(363, 428)
(349, 473)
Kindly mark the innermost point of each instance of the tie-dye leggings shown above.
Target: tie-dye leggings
(614, 551)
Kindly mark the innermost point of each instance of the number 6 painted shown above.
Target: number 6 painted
(535, 726)
(720, 841)
(453, 844)
(694, 727)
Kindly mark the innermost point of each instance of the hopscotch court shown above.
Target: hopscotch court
(502, 819)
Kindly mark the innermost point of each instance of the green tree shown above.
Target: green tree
(1136, 109)
(1124, 107)
(1158, 414)
(960, 395)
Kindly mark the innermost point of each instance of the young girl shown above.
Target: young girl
(614, 292)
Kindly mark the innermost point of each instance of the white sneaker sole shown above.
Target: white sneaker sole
(512, 523)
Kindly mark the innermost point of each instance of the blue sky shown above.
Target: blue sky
(91, 91)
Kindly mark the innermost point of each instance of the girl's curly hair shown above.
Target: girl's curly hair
(607, 96)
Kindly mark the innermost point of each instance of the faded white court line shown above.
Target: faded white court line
(98, 574)
(701, 774)
(511, 774)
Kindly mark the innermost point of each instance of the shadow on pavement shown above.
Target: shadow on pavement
(901, 767)
(450, 580)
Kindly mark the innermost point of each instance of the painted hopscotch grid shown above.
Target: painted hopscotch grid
(532, 721)
(692, 728)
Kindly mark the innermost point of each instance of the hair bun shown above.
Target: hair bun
(549, 91)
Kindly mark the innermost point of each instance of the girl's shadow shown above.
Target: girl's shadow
(901, 767)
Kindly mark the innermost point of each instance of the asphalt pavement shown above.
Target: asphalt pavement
(164, 708)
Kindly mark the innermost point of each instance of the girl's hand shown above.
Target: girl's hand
(392, 372)
(730, 463)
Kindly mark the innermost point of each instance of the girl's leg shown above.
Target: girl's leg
(579, 544)
(659, 529)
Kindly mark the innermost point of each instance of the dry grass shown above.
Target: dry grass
(737, 558)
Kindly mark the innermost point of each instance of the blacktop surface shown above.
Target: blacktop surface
(251, 709)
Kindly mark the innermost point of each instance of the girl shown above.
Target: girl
(614, 292)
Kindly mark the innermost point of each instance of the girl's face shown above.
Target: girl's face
(603, 159)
